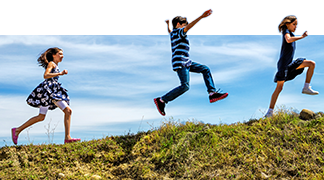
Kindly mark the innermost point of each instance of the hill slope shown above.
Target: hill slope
(280, 147)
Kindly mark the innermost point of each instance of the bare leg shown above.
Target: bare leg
(30, 122)
(311, 66)
(276, 93)
(67, 122)
(310, 71)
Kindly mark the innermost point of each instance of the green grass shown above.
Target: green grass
(279, 147)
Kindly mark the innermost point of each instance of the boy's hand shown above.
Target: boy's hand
(167, 21)
(207, 13)
(190, 25)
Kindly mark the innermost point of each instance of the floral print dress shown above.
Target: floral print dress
(47, 92)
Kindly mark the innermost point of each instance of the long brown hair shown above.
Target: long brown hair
(288, 19)
(47, 56)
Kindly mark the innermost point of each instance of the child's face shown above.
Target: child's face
(182, 25)
(58, 57)
(292, 26)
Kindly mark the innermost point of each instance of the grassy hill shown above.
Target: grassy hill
(281, 147)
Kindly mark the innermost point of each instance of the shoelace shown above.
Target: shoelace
(218, 91)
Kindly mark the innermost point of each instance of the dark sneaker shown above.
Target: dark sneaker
(160, 106)
(217, 96)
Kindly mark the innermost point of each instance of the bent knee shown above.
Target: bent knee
(67, 110)
(313, 63)
(185, 87)
(310, 63)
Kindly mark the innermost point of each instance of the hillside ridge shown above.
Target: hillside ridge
(283, 146)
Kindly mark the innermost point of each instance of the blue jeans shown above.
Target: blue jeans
(183, 74)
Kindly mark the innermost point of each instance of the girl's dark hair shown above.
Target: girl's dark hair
(47, 56)
(288, 19)
(177, 20)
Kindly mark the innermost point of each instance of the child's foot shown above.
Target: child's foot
(71, 140)
(14, 136)
(217, 96)
(269, 114)
(309, 91)
(160, 106)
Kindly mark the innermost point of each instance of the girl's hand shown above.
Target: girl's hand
(64, 72)
(167, 21)
(305, 34)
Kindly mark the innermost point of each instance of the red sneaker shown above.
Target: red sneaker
(160, 106)
(13, 135)
(217, 96)
(71, 140)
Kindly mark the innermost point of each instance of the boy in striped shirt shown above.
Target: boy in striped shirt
(183, 65)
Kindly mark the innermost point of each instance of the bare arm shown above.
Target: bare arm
(290, 39)
(190, 25)
(48, 70)
(169, 30)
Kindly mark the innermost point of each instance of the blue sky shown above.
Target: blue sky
(113, 79)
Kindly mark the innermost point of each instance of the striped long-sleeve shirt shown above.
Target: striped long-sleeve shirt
(180, 49)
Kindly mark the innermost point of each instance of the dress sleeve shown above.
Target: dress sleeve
(286, 31)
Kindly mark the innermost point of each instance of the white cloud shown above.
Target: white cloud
(244, 53)
(130, 58)
(234, 61)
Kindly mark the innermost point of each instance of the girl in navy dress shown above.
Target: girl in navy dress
(287, 68)
(49, 94)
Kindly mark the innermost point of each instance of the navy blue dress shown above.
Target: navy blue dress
(47, 92)
(287, 68)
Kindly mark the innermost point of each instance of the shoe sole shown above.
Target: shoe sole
(268, 116)
(72, 140)
(310, 93)
(157, 106)
(220, 98)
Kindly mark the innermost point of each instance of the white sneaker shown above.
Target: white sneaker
(309, 91)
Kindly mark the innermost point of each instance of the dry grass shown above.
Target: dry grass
(281, 147)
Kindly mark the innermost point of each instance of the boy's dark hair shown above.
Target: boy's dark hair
(177, 20)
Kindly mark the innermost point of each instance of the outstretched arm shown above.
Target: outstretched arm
(290, 39)
(205, 14)
(167, 21)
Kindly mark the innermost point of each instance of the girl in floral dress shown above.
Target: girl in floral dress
(49, 94)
